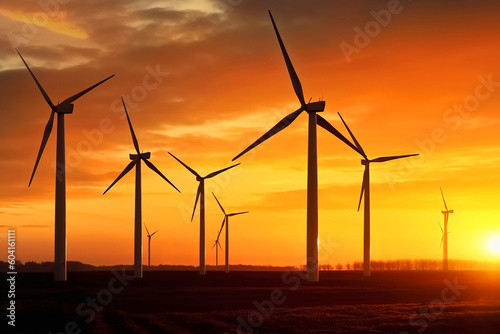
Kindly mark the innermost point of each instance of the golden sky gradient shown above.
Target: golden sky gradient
(425, 80)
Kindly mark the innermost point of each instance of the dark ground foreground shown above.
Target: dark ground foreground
(259, 302)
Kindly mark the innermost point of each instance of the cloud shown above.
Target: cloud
(58, 24)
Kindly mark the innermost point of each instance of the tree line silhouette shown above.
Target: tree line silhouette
(415, 264)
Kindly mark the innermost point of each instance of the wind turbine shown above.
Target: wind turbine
(365, 189)
(136, 162)
(226, 221)
(444, 238)
(65, 107)
(217, 246)
(149, 244)
(312, 164)
(200, 195)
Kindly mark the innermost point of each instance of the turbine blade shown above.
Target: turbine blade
(328, 127)
(441, 227)
(297, 87)
(77, 96)
(394, 157)
(198, 192)
(154, 232)
(441, 244)
(220, 171)
(134, 138)
(286, 121)
(364, 186)
(219, 245)
(443, 199)
(188, 168)
(237, 213)
(219, 203)
(47, 98)
(125, 171)
(45, 138)
(221, 227)
(146, 228)
(358, 145)
(154, 169)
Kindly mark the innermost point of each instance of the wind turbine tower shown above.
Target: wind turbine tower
(149, 244)
(312, 109)
(217, 246)
(137, 158)
(226, 222)
(446, 214)
(61, 109)
(365, 190)
(200, 195)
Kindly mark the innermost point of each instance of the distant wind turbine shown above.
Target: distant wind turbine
(442, 235)
(365, 189)
(217, 246)
(149, 244)
(312, 164)
(65, 107)
(200, 195)
(444, 238)
(136, 162)
(226, 221)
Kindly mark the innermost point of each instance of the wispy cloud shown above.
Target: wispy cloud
(59, 24)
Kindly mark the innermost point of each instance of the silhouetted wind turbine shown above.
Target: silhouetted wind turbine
(444, 238)
(365, 189)
(312, 164)
(65, 107)
(217, 246)
(200, 194)
(136, 162)
(226, 221)
(442, 234)
(149, 244)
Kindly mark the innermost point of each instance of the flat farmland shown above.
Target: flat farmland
(259, 302)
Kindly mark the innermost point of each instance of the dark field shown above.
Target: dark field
(259, 302)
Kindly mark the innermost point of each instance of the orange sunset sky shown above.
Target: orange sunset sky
(426, 82)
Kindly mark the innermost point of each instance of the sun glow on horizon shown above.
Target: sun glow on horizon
(494, 245)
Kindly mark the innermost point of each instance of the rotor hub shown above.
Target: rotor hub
(144, 155)
(64, 108)
(317, 106)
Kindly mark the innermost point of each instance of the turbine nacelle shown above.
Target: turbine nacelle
(317, 106)
(365, 162)
(66, 108)
(145, 155)
(449, 211)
